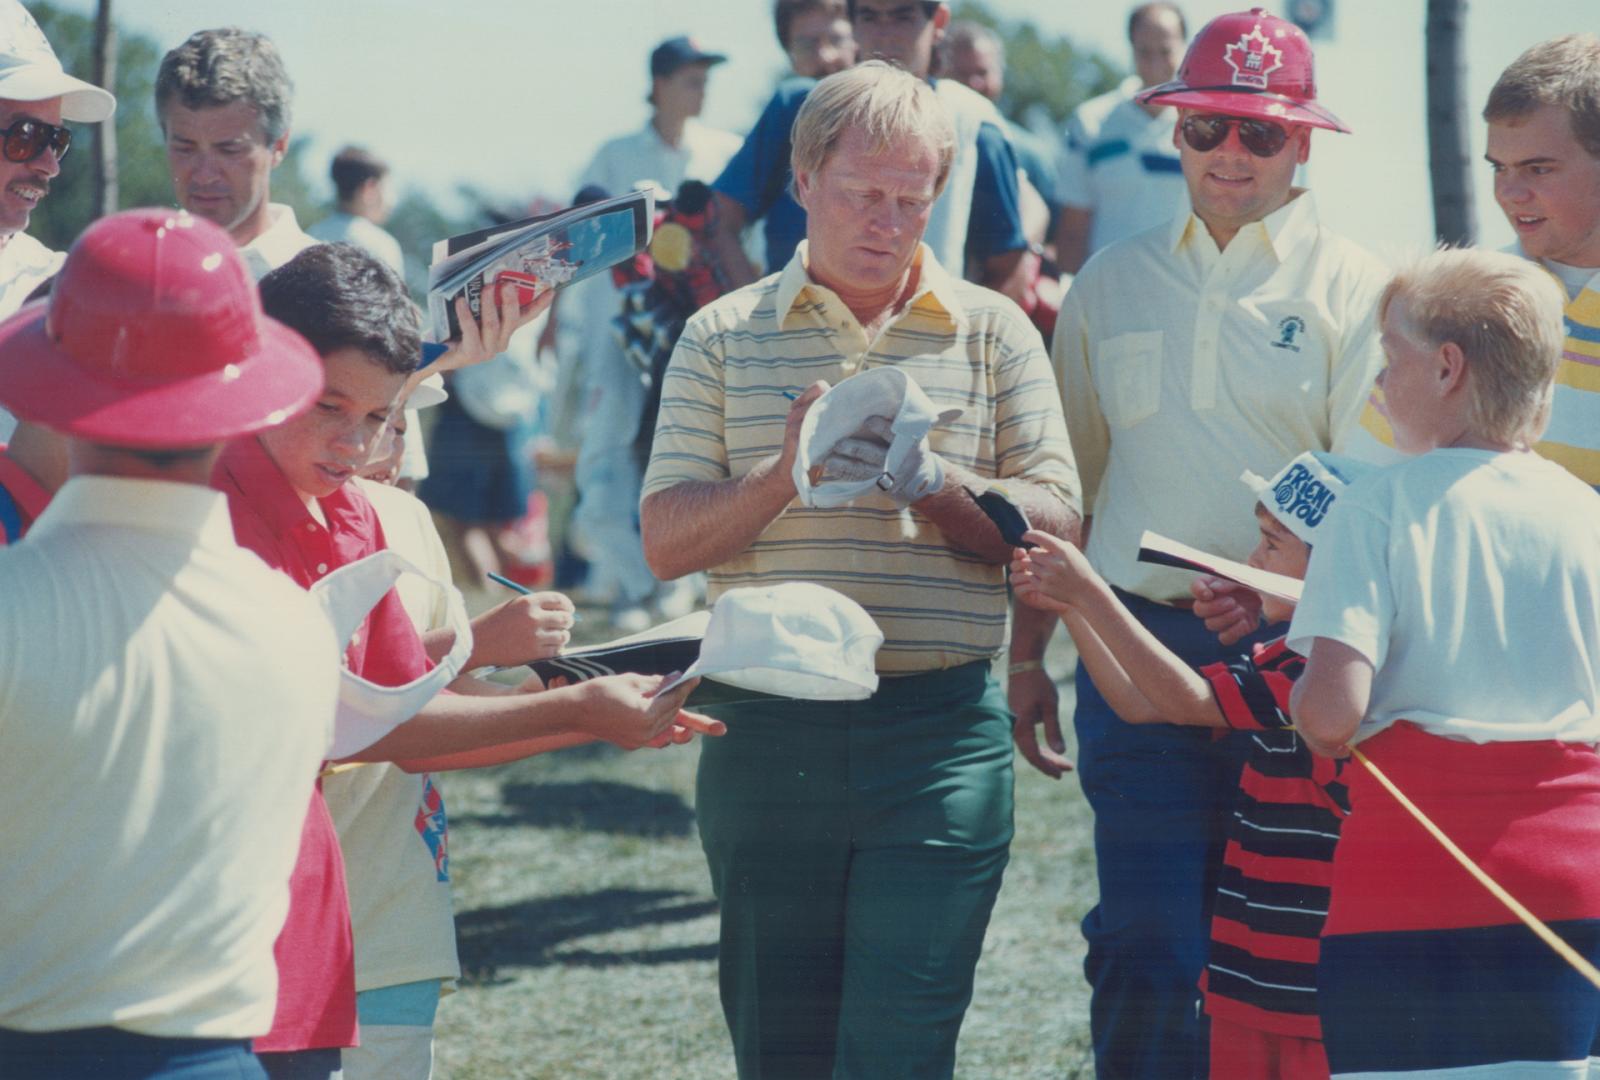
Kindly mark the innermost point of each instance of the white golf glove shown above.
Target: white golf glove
(919, 473)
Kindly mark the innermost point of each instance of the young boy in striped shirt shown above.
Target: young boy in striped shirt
(1272, 887)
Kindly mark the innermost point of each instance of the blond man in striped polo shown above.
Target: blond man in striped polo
(857, 848)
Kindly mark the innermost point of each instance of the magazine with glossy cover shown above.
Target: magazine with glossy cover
(535, 254)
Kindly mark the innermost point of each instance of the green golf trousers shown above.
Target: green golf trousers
(856, 849)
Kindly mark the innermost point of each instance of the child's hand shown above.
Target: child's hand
(1230, 610)
(530, 627)
(1052, 575)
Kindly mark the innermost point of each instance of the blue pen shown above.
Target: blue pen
(508, 583)
(791, 395)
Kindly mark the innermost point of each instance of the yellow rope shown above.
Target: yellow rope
(1529, 919)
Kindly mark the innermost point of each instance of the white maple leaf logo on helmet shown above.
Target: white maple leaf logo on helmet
(1252, 59)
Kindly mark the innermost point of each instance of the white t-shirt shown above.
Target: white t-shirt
(1471, 580)
(391, 823)
(165, 699)
(1119, 163)
(342, 228)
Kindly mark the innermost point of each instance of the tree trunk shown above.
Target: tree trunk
(1449, 142)
(105, 143)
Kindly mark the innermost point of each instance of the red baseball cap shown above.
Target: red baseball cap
(153, 337)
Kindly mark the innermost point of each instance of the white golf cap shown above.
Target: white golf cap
(1303, 492)
(29, 70)
(795, 640)
(843, 411)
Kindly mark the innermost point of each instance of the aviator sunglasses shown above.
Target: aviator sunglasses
(1261, 137)
(27, 139)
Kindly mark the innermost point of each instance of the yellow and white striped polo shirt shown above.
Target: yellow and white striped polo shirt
(723, 410)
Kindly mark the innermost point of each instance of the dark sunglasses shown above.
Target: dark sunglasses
(27, 139)
(1262, 138)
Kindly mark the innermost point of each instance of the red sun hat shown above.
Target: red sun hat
(1249, 63)
(153, 337)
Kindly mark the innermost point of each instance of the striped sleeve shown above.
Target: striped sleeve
(1252, 689)
(689, 440)
(1030, 432)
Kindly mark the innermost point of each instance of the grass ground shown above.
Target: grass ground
(588, 931)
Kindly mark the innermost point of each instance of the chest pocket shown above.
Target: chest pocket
(1127, 376)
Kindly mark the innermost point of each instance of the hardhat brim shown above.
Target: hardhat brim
(1234, 101)
(42, 384)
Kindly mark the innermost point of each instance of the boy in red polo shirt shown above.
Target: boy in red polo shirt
(291, 503)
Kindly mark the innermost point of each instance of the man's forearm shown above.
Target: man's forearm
(965, 524)
(1072, 238)
(726, 249)
(699, 524)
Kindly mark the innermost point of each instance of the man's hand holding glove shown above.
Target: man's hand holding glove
(917, 471)
(868, 435)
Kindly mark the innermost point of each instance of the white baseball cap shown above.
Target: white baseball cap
(795, 640)
(1303, 492)
(842, 412)
(29, 70)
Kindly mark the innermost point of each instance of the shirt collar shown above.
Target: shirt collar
(1287, 227)
(936, 290)
(282, 240)
(158, 506)
(1515, 248)
(247, 466)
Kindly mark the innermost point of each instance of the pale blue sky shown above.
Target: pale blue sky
(514, 95)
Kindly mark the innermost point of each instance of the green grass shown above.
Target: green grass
(588, 930)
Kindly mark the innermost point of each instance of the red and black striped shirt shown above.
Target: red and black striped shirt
(1272, 893)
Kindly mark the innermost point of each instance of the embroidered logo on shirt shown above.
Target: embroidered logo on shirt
(1290, 327)
(433, 828)
(1252, 59)
(1302, 495)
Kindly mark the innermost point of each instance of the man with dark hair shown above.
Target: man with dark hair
(223, 100)
(1118, 173)
(1544, 147)
(360, 184)
(815, 34)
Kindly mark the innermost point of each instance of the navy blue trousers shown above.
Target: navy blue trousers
(113, 1054)
(1161, 796)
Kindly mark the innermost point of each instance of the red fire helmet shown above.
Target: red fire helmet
(153, 337)
(1248, 63)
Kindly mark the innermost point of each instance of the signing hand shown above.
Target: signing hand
(1230, 610)
(529, 627)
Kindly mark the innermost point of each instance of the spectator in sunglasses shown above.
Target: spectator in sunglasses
(1249, 339)
(36, 95)
(223, 99)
